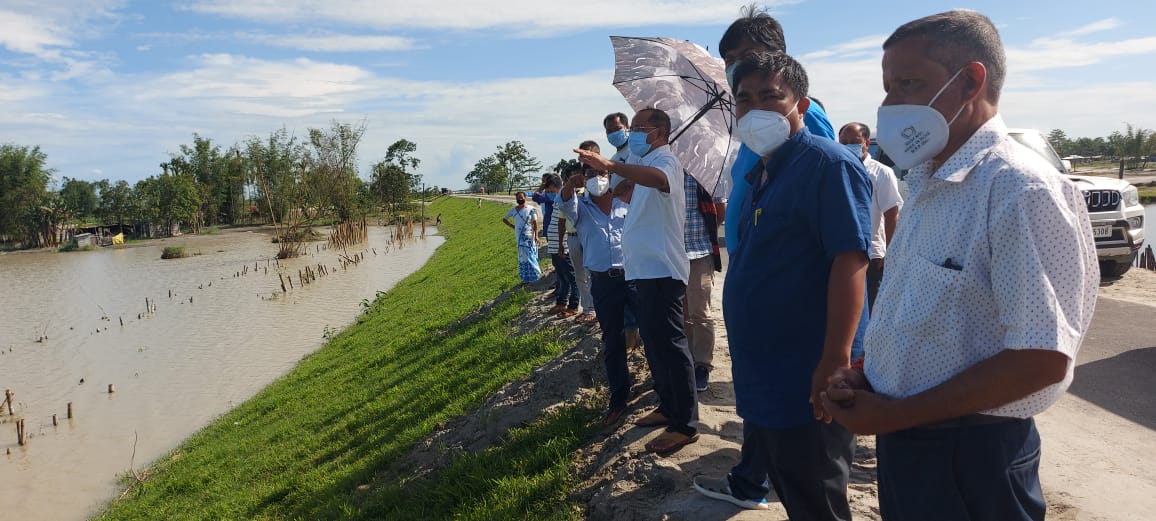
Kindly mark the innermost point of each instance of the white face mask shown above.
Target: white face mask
(596, 186)
(763, 131)
(913, 134)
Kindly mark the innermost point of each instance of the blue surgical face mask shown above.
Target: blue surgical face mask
(856, 149)
(638, 144)
(617, 138)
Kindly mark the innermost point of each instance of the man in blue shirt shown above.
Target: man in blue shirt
(599, 218)
(756, 31)
(793, 297)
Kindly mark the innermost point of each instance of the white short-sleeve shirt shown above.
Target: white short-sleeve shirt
(884, 196)
(653, 246)
(994, 251)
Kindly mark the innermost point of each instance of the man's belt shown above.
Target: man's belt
(612, 273)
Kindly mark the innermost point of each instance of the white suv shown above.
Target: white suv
(1113, 206)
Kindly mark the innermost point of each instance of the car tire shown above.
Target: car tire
(1116, 268)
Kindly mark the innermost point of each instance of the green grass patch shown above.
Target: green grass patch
(417, 357)
(174, 252)
(1147, 194)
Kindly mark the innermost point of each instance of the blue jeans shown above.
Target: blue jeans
(611, 292)
(567, 287)
(659, 303)
(962, 473)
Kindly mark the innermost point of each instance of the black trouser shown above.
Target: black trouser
(962, 473)
(874, 277)
(659, 304)
(611, 292)
(808, 465)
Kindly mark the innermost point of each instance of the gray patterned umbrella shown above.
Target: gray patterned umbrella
(686, 82)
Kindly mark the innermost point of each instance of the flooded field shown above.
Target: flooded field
(219, 329)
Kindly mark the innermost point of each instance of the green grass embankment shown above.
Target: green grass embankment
(302, 447)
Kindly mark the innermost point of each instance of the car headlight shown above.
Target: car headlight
(1135, 223)
(1130, 196)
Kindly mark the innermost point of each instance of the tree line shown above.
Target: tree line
(259, 180)
(1135, 145)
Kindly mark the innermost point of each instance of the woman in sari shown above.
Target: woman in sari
(525, 225)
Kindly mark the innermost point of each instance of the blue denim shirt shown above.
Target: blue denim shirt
(817, 123)
(814, 205)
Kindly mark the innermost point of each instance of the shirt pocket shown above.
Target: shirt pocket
(929, 312)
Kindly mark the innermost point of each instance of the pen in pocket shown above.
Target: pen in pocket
(951, 265)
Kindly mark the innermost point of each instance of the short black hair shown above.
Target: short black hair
(793, 74)
(570, 168)
(617, 115)
(956, 38)
(757, 26)
(590, 145)
(551, 181)
(862, 128)
(655, 118)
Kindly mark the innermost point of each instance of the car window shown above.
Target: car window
(1039, 145)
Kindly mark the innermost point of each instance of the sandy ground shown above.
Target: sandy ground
(1096, 462)
(1136, 285)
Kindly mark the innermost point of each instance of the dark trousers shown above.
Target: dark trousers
(611, 293)
(874, 277)
(971, 473)
(808, 465)
(567, 287)
(659, 307)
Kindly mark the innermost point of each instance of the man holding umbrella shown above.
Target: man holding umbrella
(655, 260)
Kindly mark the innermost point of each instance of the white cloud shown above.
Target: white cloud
(333, 42)
(125, 126)
(870, 45)
(523, 17)
(1095, 27)
(1060, 53)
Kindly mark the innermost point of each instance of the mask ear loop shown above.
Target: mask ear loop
(943, 88)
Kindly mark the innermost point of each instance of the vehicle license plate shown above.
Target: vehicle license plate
(1102, 231)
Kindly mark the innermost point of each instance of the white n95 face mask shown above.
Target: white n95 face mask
(596, 186)
(913, 134)
(763, 131)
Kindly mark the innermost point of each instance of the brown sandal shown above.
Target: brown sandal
(654, 419)
(669, 442)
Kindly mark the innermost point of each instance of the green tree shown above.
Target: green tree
(487, 173)
(116, 202)
(24, 179)
(332, 181)
(79, 197)
(518, 164)
(1059, 141)
(393, 181)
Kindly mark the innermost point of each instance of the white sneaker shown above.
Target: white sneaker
(721, 489)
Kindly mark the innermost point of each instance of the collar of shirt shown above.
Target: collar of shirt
(776, 159)
(959, 165)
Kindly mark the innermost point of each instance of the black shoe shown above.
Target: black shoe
(701, 378)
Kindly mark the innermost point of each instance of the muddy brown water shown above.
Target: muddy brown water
(173, 370)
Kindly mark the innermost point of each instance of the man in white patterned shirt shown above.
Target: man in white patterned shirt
(991, 285)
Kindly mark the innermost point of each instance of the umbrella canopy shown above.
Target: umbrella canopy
(685, 81)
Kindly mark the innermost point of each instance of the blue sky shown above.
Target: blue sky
(108, 89)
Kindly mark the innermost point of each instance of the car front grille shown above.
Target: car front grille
(1102, 200)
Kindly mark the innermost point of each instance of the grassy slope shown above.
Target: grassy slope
(301, 447)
